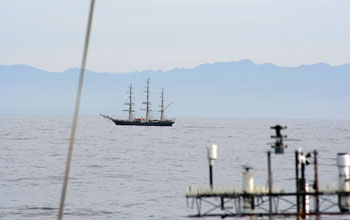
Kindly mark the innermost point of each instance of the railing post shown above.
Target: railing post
(270, 183)
(316, 187)
(297, 183)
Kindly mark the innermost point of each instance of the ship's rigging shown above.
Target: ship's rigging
(146, 121)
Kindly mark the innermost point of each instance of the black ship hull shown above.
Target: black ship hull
(143, 123)
(140, 122)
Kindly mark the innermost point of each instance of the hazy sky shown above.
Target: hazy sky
(162, 34)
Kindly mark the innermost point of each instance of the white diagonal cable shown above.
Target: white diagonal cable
(76, 112)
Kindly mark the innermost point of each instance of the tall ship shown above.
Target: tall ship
(147, 121)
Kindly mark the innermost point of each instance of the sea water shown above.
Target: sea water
(126, 172)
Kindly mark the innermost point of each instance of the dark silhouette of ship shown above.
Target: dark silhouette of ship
(143, 121)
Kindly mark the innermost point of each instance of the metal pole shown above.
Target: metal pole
(316, 187)
(222, 203)
(297, 182)
(270, 183)
(211, 175)
(303, 189)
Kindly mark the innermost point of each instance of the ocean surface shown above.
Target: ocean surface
(142, 172)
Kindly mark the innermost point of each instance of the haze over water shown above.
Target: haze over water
(142, 172)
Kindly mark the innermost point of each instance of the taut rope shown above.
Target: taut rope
(76, 112)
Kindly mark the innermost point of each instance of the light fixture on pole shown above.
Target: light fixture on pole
(212, 155)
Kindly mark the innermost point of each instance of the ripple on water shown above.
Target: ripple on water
(137, 173)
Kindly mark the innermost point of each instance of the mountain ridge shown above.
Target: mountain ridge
(222, 89)
(244, 61)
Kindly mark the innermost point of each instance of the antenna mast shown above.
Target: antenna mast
(130, 103)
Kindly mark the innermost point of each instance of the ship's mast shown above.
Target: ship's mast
(130, 103)
(148, 103)
(162, 106)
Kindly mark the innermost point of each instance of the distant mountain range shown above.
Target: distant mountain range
(222, 89)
